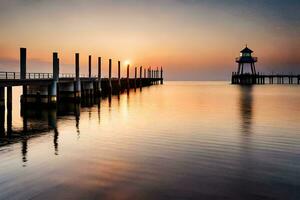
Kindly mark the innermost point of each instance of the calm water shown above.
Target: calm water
(196, 140)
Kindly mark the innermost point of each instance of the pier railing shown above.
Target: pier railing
(33, 75)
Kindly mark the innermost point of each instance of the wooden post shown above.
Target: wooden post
(135, 75)
(161, 76)
(52, 89)
(90, 66)
(141, 76)
(109, 76)
(145, 73)
(23, 72)
(77, 88)
(157, 75)
(149, 73)
(23, 63)
(9, 109)
(119, 75)
(55, 66)
(128, 84)
(99, 75)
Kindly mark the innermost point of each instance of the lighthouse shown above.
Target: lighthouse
(246, 60)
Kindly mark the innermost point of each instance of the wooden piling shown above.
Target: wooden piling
(52, 88)
(22, 63)
(119, 75)
(128, 84)
(90, 66)
(141, 76)
(9, 109)
(157, 75)
(99, 76)
(149, 73)
(23, 72)
(77, 88)
(109, 76)
(161, 76)
(135, 76)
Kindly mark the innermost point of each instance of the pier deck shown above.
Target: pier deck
(248, 79)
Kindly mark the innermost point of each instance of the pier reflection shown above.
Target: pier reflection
(55, 141)
(24, 151)
(36, 121)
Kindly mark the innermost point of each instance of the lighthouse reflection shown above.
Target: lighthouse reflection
(246, 108)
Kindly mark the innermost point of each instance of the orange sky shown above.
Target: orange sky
(192, 40)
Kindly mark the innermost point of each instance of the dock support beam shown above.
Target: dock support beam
(141, 76)
(109, 77)
(52, 90)
(77, 86)
(99, 76)
(161, 76)
(22, 63)
(157, 76)
(90, 66)
(9, 109)
(128, 84)
(23, 72)
(135, 76)
(119, 75)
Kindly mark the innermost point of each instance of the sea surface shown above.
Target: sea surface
(180, 140)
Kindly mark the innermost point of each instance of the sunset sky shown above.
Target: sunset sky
(191, 39)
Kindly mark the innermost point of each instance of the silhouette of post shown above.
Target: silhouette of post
(22, 63)
(99, 75)
(161, 76)
(2, 111)
(9, 109)
(52, 90)
(157, 75)
(23, 72)
(145, 73)
(141, 74)
(135, 75)
(119, 75)
(128, 84)
(109, 76)
(90, 66)
(152, 76)
(77, 78)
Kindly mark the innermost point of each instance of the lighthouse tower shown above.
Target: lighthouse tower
(246, 60)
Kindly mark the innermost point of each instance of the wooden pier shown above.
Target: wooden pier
(48, 89)
(249, 79)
